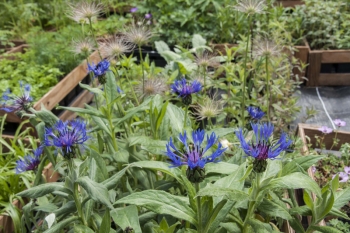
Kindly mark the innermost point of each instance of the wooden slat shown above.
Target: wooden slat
(314, 68)
(334, 79)
(289, 3)
(335, 56)
(84, 97)
(302, 54)
(55, 95)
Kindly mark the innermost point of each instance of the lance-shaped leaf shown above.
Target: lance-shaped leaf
(112, 181)
(295, 180)
(43, 189)
(97, 192)
(228, 193)
(162, 203)
(61, 225)
(127, 217)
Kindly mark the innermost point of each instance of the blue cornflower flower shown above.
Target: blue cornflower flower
(29, 162)
(181, 88)
(262, 149)
(99, 70)
(65, 136)
(13, 103)
(255, 112)
(193, 154)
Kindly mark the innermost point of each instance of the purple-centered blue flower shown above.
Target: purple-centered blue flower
(193, 154)
(261, 148)
(100, 69)
(133, 10)
(13, 103)
(183, 89)
(30, 162)
(255, 112)
(65, 136)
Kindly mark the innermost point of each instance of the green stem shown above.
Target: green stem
(40, 171)
(186, 110)
(143, 72)
(94, 37)
(199, 210)
(251, 207)
(267, 86)
(245, 76)
(334, 140)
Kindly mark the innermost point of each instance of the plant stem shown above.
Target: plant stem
(186, 110)
(199, 210)
(267, 86)
(94, 37)
(245, 77)
(251, 207)
(143, 72)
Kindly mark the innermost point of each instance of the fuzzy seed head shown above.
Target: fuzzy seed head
(138, 33)
(209, 109)
(84, 12)
(153, 86)
(84, 46)
(250, 7)
(265, 48)
(114, 47)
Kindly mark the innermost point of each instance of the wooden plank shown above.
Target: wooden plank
(55, 95)
(334, 79)
(335, 56)
(314, 68)
(289, 3)
(84, 97)
(302, 55)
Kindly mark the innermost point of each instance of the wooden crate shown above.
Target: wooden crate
(308, 132)
(289, 3)
(302, 55)
(66, 93)
(319, 57)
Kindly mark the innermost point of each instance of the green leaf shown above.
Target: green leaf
(324, 205)
(175, 115)
(162, 203)
(231, 194)
(325, 229)
(82, 111)
(303, 162)
(100, 163)
(112, 182)
(78, 228)
(295, 180)
(198, 41)
(111, 87)
(221, 168)
(96, 191)
(95, 90)
(161, 115)
(127, 217)
(46, 116)
(273, 209)
(106, 222)
(159, 166)
(220, 132)
(43, 189)
(161, 46)
(341, 198)
(61, 225)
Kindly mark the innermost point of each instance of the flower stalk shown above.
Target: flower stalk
(199, 209)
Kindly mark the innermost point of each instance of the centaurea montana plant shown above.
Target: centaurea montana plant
(261, 149)
(99, 70)
(255, 113)
(185, 90)
(29, 162)
(193, 154)
(13, 103)
(66, 136)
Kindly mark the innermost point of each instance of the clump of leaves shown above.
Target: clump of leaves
(340, 225)
(20, 68)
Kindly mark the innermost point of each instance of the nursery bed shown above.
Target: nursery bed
(66, 93)
(335, 102)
